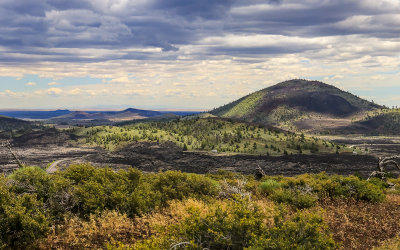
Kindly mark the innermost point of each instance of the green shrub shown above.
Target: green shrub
(269, 186)
(98, 189)
(303, 231)
(233, 227)
(363, 190)
(143, 200)
(223, 229)
(133, 177)
(348, 187)
(79, 173)
(61, 198)
(295, 198)
(176, 185)
(53, 190)
(31, 180)
(241, 225)
(22, 218)
(336, 186)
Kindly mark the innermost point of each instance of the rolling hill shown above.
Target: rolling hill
(7, 123)
(379, 122)
(208, 135)
(298, 105)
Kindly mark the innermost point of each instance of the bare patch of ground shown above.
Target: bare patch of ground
(316, 124)
(152, 157)
(376, 145)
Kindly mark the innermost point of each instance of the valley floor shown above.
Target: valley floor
(154, 157)
(376, 145)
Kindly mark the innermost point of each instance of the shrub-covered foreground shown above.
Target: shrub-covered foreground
(88, 207)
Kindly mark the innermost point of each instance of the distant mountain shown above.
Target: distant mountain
(137, 112)
(127, 114)
(297, 105)
(34, 114)
(74, 115)
(159, 118)
(7, 123)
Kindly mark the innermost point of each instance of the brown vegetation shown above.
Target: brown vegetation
(363, 225)
(99, 230)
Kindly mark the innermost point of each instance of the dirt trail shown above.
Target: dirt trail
(53, 167)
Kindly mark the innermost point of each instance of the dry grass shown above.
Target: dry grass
(180, 210)
(392, 244)
(115, 227)
(95, 233)
(354, 224)
(112, 226)
(363, 225)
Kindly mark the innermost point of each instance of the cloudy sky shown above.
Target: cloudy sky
(192, 54)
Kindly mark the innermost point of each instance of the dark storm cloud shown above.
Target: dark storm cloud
(69, 4)
(238, 51)
(32, 7)
(207, 9)
(314, 19)
(34, 25)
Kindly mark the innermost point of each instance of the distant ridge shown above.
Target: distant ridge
(127, 114)
(34, 114)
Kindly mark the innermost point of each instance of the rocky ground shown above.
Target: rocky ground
(152, 157)
(376, 145)
(58, 150)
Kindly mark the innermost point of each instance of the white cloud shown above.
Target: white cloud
(174, 92)
(9, 93)
(75, 91)
(31, 84)
(122, 79)
(136, 92)
(53, 83)
(53, 91)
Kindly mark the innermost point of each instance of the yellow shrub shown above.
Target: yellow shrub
(96, 232)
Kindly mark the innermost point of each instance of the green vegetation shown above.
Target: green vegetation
(305, 190)
(382, 122)
(208, 134)
(269, 186)
(240, 225)
(22, 217)
(286, 102)
(88, 207)
(243, 107)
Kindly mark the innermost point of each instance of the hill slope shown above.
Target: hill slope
(7, 123)
(380, 122)
(208, 134)
(296, 104)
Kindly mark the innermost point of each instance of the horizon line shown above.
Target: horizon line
(103, 109)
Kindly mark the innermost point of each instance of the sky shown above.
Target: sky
(197, 54)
